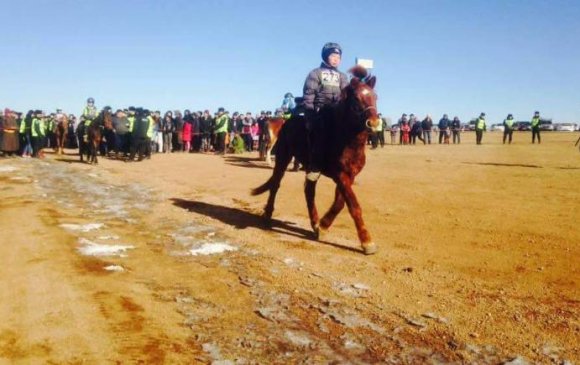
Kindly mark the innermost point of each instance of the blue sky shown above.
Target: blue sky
(455, 57)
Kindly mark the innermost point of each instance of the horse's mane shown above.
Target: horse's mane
(359, 72)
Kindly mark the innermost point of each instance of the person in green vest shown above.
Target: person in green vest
(536, 127)
(149, 137)
(38, 132)
(508, 128)
(26, 134)
(221, 129)
(89, 114)
(139, 138)
(480, 127)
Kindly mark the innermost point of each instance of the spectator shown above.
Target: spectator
(480, 127)
(443, 127)
(168, 129)
(456, 130)
(9, 143)
(426, 126)
(187, 130)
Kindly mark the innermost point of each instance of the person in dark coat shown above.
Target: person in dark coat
(443, 127)
(456, 130)
(323, 87)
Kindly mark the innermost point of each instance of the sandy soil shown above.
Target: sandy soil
(477, 262)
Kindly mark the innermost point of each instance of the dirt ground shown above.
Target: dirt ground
(477, 261)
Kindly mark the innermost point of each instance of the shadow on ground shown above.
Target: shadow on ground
(502, 164)
(250, 162)
(241, 219)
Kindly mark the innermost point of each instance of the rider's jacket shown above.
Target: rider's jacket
(89, 114)
(323, 86)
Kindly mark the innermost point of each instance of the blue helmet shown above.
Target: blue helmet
(330, 48)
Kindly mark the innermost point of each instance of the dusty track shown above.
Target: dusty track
(478, 260)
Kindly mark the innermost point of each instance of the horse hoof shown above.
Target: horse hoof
(316, 232)
(370, 248)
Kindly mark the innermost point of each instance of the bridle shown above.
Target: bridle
(359, 111)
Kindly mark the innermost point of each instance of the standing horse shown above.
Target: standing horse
(94, 134)
(61, 131)
(273, 126)
(346, 132)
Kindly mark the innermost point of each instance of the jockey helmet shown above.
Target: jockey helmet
(330, 48)
(288, 95)
(90, 101)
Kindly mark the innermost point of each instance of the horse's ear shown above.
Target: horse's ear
(371, 82)
(355, 82)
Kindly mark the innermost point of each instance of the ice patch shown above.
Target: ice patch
(211, 248)
(8, 169)
(90, 248)
(82, 227)
(115, 268)
(104, 238)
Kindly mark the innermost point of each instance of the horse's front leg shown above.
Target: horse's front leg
(335, 208)
(310, 194)
(344, 184)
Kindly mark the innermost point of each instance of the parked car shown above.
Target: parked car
(546, 125)
(470, 126)
(523, 126)
(497, 127)
(565, 127)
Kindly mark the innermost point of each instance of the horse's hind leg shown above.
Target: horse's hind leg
(282, 161)
(344, 184)
(310, 194)
(335, 208)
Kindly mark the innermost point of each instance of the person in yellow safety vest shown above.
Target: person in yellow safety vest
(148, 141)
(508, 131)
(480, 127)
(38, 132)
(536, 127)
(221, 129)
(89, 112)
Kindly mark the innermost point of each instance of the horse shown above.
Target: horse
(61, 132)
(273, 126)
(346, 134)
(94, 133)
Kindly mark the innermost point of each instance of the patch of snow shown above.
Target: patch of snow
(82, 227)
(298, 339)
(115, 268)
(104, 238)
(211, 248)
(90, 248)
(8, 168)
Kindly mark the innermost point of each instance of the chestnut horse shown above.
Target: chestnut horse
(94, 133)
(273, 126)
(346, 132)
(61, 132)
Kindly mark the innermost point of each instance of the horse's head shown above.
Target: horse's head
(362, 97)
(106, 118)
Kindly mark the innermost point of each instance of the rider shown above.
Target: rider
(288, 104)
(322, 88)
(89, 114)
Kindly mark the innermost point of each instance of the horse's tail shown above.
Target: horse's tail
(264, 187)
